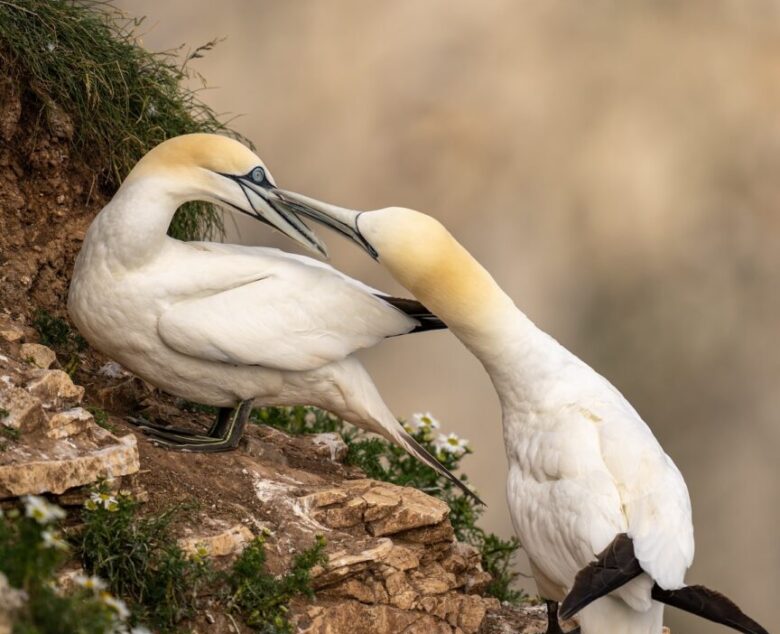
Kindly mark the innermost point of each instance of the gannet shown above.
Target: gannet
(227, 325)
(587, 479)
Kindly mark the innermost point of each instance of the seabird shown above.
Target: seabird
(602, 512)
(226, 325)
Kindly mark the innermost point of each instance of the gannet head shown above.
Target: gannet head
(412, 245)
(222, 170)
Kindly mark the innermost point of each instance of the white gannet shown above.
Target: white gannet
(587, 478)
(228, 325)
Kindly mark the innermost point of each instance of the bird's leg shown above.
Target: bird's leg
(221, 422)
(553, 627)
(224, 434)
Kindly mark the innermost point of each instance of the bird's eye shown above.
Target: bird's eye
(257, 175)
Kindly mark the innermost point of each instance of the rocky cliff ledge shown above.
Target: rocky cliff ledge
(393, 564)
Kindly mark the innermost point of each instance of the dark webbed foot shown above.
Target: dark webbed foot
(148, 427)
(553, 626)
(224, 434)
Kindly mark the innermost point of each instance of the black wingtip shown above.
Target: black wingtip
(423, 454)
(710, 605)
(615, 566)
(414, 309)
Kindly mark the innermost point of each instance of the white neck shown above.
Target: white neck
(133, 226)
(465, 296)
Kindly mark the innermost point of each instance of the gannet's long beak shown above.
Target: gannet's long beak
(345, 221)
(266, 205)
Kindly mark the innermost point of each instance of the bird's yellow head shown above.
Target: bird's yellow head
(418, 251)
(224, 171)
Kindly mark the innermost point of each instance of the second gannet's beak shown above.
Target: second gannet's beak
(262, 202)
(345, 221)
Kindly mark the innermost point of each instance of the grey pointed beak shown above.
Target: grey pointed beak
(343, 220)
(265, 204)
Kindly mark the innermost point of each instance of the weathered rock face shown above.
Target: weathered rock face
(47, 442)
(408, 567)
(392, 561)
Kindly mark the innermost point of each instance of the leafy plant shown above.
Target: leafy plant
(142, 562)
(85, 59)
(140, 559)
(384, 461)
(31, 551)
(262, 598)
(101, 417)
(56, 333)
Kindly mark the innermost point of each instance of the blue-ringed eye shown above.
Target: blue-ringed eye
(257, 175)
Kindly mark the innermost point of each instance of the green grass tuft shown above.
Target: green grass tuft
(57, 334)
(140, 560)
(101, 417)
(84, 58)
(261, 598)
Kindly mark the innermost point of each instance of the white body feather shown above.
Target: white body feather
(583, 466)
(218, 324)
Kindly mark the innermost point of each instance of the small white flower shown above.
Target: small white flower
(117, 605)
(310, 418)
(423, 421)
(52, 539)
(140, 629)
(50, 47)
(106, 500)
(152, 110)
(41, 510)
(96, 584)
(451, 444)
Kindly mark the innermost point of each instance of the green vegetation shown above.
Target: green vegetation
(140, 560)
(31, 551)
(57, 334)
(9, 432)
(262, 598)
(85, 59)
(382, 460)
(101, 417)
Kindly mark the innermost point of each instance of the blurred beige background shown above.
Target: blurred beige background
(615, 165)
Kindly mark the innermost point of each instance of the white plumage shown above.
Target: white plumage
(221, 324)
(583, 466)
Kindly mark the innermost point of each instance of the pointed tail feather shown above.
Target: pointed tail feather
(414, 309)
(615, 566)
(710, 605)
(422, 454)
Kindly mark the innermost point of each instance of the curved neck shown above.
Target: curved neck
(458, 289)
(135, 222)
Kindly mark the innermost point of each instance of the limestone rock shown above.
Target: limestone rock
(59, 465)
(416, 510)
(217, 540)
(331, 445)
(54, 387)
(67, 423)
(11, 332)
(353, 617)
(39, 355)
(404, 571)
(22, 411)
(385, 508)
